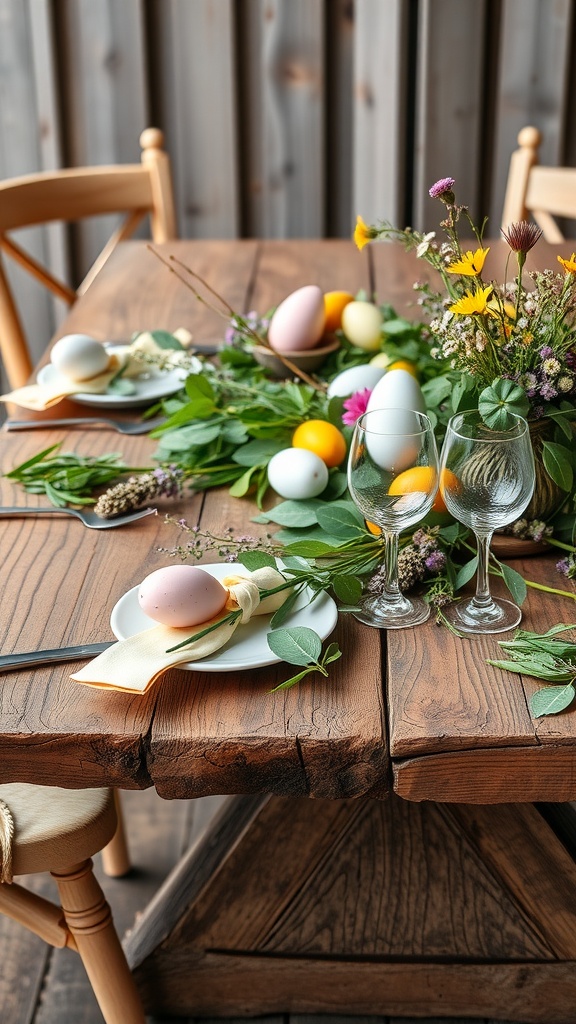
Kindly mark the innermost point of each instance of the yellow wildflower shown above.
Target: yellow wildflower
(569, 265)
(471, 263)
(363, 233)
(473, 303)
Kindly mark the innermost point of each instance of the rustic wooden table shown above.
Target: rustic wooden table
(421, 880)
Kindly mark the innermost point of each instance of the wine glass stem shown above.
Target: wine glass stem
(391, 588)
(482, 597)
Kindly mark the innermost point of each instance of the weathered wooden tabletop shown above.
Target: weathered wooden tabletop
(459, 730)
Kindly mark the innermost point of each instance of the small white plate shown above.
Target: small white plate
(248, 647)
(150, 386)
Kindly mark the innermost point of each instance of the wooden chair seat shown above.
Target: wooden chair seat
(58, 830)
(542, 193)
(70, 195)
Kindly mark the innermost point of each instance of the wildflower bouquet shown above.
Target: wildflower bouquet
(511, 346)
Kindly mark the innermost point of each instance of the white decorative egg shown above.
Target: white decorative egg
(397, 389)
(297, 473)
(362, 325)
(393, 440)
(79, 357)
(181, 595)
(297, 324)
(356, 378)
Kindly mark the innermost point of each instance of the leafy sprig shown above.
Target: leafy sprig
(69, 478)
(543, 656)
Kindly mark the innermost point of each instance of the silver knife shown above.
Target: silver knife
(25, 660)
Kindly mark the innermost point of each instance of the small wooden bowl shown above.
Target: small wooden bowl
(309, 360)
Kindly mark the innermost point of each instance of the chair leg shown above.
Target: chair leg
(90, 921)
(115, 856)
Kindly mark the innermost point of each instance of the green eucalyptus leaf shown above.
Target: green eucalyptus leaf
(466, 572)
(243, 484)
(550, 700)
(348, 589)
(515, 583)
(293, 680)
(166, 340)
(295, 513)
(310, 548)
(333, 652)
(256, 452)
(340, 519)
(282, 613)
(298, 645)
(257, 560)
(557, 464)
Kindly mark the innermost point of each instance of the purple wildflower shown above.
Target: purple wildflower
(567, 566)
(436, 561)
(356, 406)
(522, 236)
(546, 352)
(442, 189)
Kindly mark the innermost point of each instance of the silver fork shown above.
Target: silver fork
(90, 519)
(122, 426)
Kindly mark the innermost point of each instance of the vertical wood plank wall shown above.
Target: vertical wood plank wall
(283, 118)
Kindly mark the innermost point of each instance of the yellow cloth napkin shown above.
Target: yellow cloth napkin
(39, 397)
(134, 664)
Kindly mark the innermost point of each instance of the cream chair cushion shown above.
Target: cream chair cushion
(56, 828)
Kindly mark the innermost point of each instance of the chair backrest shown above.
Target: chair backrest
(136, 190)
(539, 192)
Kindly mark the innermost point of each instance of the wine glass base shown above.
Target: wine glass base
(498, 617)
(375, 611)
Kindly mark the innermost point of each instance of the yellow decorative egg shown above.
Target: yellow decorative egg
(362, 325)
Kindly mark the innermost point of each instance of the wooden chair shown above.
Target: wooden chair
(540, 192)
(71, 195)
(59, 830)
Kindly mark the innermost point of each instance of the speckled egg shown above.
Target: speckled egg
(297, 324)
(79, 357)
(181, 595)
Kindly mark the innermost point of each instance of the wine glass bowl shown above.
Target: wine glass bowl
(393, 479)
(487, 480)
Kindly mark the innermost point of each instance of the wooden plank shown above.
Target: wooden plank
(499, 834)
(477, 776)
(533, 993)
(282, 60)
(449, 103)
(24, 123)
(104, 99)
(532, 89)
(380, 87)
(339, 106)
(198, 58)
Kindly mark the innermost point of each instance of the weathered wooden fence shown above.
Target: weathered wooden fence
(285, 118)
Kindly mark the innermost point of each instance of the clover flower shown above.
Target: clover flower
(567, 566)
(442, 189)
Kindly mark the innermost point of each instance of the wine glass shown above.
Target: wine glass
(393, 479)
(487, 480)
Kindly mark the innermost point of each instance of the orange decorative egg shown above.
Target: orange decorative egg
(334, 304)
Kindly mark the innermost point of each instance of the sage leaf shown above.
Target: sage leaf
(550, 700)
(298, 645)
(242, 485)
(466, 572)
(256, 560)
(294, 513)
(341, 520)
(557, 465)
(515, 583)
(293, 680)
(348, 589)
(164, 339)
(333, 652)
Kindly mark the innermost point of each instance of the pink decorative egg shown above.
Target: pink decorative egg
(297, 324)
(181, 595)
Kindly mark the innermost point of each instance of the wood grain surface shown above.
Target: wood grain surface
(195, 733)
(455, 723)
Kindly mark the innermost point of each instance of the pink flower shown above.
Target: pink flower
(356, 406)
(443, 190)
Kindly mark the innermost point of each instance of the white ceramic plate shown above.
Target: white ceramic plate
(150, 386)
(248, 647)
